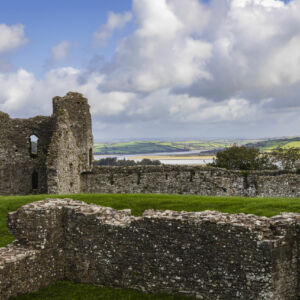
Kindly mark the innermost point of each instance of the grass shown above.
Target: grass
(67, 290)
(138, 203)
(140, 147)
(134, 147)
(137, 147)
(292, 145)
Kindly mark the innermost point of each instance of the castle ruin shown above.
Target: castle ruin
(47, 154)
(54, 155)
(208, 255)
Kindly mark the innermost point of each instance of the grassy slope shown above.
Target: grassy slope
(138, 203)
(295, 144)
(137, 147)
(269, 145)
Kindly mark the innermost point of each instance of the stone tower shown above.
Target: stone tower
(71, 148)
(47, 154)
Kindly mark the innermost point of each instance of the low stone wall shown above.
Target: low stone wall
(24, 269)
(190, 180)
(208, 255)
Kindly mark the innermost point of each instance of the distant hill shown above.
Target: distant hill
(206, 147)
(134, 148)
(270, 144)
(138, 147)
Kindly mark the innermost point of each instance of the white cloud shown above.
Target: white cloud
(25, 95)
(230, 67)
(114, 21)
(11, 37)
(161, 53)
(255, 3)
(14, 90)
(230, 61)
(283, 66)
(60, 52)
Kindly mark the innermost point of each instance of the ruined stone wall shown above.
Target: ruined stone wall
(64, 149)
(79, 116)
(208, 255)
(71, 146)
(17, 164)
(190, 180)
(62, 161)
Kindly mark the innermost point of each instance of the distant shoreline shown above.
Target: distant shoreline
(169, 157)
(139, 153)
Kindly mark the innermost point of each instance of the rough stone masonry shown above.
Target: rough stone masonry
(208, 255)
(64, 144)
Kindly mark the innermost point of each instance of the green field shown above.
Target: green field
(271, 144)
(138, 203)
(292, 145)
(137, 147)
(134, 148)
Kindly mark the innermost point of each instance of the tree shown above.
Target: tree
(243, 158)
(148, 162)
(288, 159)
(113, 161)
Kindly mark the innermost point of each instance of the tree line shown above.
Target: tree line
(113, 161)
(245, 158)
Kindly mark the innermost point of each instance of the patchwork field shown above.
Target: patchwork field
(138, 147)
(271, 144)
(138, 203)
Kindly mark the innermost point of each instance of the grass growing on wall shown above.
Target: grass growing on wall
(138, 203)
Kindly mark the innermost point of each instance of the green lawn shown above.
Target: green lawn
(138, 203)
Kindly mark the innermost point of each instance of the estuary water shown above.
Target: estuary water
(185, 160)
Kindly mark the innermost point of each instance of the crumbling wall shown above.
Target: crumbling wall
(208, 255)
(71, 144)
(79, 116)
(64, 149)
(62, 161)
(17, 164)
(196, 180)
(36, 258)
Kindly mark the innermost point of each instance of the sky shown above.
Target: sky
(163, 69)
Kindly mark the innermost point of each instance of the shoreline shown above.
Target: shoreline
(171, 157)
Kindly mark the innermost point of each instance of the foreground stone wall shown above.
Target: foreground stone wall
(208, 255)
(190, 180)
